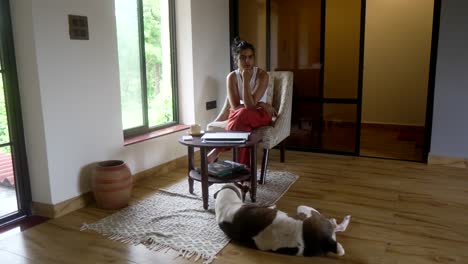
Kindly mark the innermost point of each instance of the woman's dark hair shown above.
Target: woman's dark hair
(237, 46)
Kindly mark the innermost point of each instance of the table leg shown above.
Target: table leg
(235, 155)
(204, 177)
(253, 173)
(190, 167)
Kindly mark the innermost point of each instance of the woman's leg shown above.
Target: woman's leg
(213, 154)
(245, 119)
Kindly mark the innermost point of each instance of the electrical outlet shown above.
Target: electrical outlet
(211, 105)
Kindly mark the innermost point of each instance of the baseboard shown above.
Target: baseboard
(70, 205)
(393, 126)
(447, 161)
(63, 208)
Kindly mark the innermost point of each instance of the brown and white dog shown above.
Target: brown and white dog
(268, 229)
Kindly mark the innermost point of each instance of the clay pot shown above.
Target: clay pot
(111, 183)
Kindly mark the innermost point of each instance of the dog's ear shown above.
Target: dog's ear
(216, 194)
(307, 211)
(304, 211)
(300, 216)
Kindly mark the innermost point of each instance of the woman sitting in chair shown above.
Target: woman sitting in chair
(246, 90)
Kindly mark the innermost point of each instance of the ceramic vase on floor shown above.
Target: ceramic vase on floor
(111, 183)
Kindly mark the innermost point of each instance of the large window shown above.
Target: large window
(146, 44)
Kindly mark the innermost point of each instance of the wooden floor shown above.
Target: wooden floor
(392, 142)
(403, 212)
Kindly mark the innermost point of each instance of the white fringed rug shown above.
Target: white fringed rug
(175, 219)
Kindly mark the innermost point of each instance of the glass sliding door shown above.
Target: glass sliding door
(15, 192)
(252, 28)
(320, 42)
(341, 99)
(296, 45)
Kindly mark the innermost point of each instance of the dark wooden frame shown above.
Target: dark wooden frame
(15, 122)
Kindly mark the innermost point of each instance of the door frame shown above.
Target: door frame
(432, 76)
(15, 123)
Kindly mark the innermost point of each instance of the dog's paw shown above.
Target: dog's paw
(342, 227)
(339, 250)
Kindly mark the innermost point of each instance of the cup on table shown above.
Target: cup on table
(195, 129)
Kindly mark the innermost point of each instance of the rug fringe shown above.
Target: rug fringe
(84, 227)
(187, 254)
(155, 246)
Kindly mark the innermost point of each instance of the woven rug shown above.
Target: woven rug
(174, 219)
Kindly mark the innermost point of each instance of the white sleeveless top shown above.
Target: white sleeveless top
(240, 85)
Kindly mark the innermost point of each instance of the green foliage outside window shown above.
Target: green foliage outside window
(158, 78)
(159, 90)
(4, 135)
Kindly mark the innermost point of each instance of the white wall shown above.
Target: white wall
(28, 81)
(210, 29)
(70, 90)
(185, 61)
(450, 122)
(396, 61)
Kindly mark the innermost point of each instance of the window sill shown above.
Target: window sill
(155, 134)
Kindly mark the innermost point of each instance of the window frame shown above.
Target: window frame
(145, 128)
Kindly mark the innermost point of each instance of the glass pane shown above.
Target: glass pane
(295, 34)
(305, 126)
(252, 27)
(339, 127)
(158, 62)
(342, 46)
(9, 203)
(4, 131)
(129, 63)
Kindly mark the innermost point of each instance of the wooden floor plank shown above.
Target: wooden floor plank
(402, 212)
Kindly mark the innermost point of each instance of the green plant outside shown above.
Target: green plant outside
(4, 132)
(159, 95)
(159, 90)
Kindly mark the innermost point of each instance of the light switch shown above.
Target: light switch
(78, 27)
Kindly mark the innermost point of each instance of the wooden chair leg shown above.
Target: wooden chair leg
(282, 151)
(264, 166)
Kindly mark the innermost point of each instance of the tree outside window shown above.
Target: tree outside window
(145, 38)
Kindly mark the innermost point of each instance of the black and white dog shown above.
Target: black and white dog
(268, 229)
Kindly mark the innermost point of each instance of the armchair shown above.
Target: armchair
(279, 95)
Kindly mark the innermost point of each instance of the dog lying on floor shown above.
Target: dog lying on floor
(266, 228)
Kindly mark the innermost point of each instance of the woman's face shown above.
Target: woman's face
(246, 59)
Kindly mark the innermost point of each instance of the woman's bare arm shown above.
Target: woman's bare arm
(251, 99)
(232, 91)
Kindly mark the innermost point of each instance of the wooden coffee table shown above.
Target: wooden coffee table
(206, 180)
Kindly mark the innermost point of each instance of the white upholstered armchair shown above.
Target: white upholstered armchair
(279, 95)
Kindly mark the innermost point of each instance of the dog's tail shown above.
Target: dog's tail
(332, 246)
